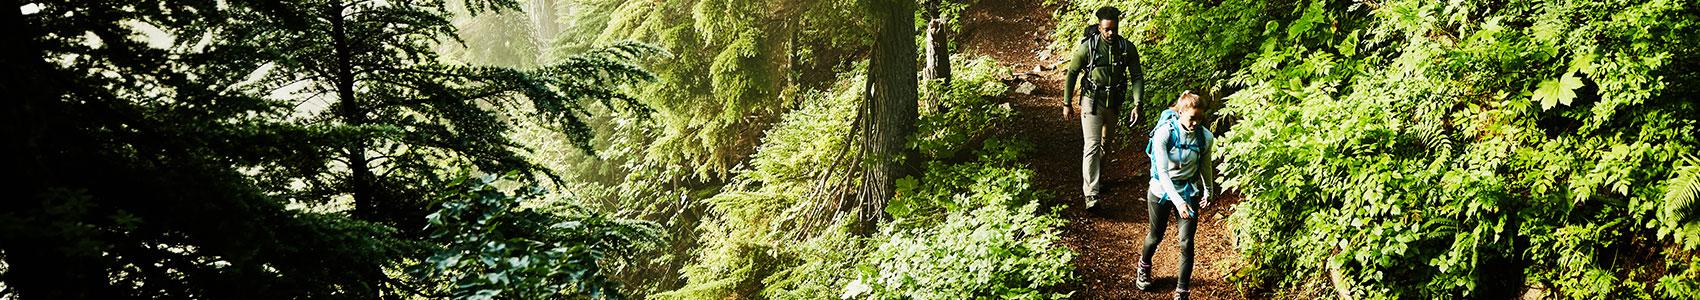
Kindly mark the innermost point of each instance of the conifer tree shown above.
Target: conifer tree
(125, 127)
(401, 114)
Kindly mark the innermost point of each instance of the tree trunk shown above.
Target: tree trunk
(891, 107)
(938, 53)
(938, 57)
(361, 181)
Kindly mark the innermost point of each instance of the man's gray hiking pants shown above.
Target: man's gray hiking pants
(1093, 129)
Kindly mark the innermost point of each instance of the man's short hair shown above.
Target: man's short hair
(1109, 13)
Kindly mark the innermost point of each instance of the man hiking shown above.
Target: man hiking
(1108, 67)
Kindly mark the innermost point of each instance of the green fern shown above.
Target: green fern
(1681, 192)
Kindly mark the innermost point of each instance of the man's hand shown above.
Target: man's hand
(1205, 202)
(1068, 111)
(1132, 119)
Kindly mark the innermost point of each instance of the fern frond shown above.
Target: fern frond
(1432, 135)
(1681, 192)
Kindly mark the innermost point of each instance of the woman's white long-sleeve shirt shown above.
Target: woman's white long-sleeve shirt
(1180, 172)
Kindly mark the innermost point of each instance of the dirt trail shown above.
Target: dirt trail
(1109, 238)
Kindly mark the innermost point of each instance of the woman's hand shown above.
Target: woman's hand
(1186, 212)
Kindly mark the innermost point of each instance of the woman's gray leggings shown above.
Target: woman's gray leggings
(1157, 213)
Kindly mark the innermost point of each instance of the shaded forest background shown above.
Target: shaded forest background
(745, 149)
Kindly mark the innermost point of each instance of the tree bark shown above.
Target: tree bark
(891, 107)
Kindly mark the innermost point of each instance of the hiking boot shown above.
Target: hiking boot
(1142, 280)
(1181, 294)
(1091, 201)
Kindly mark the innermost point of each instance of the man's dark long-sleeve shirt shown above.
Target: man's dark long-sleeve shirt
(1101, 74)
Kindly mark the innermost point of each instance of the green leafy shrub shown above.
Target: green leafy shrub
(495, 249)
(967, 106)
(1443, 149)
(1421, 149)
(993, 241)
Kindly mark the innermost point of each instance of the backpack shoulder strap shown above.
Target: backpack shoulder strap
(1162, 117)
(1091, 44)
(1175, 133)
(1127, 52)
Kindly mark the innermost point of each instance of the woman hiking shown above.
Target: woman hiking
(1180, 179)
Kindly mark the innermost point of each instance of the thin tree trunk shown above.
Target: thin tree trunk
(891, 107)
(938, 53)
(363, 183)
(362, 180)
(938, 58)
(937, 67)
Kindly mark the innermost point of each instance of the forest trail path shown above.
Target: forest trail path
(1108, 239)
